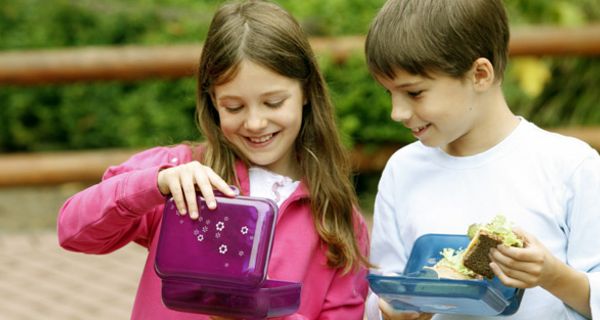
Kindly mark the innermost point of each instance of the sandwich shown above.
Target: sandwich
(473, 262)
(451, 266)
(483, 238)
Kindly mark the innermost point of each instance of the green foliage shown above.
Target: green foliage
(153, 112)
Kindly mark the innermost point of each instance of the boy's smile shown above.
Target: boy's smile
(439, 110)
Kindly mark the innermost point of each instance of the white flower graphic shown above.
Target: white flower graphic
(241, 253)
(196, 232)
(244, 230)
(200, 237)
(217, 235)
(223, 249)
(205, 228)
(220, 226)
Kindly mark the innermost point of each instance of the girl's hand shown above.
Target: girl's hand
(527, 267)
(389, 313)
(181, 181)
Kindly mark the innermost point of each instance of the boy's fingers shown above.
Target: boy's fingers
(388, 312)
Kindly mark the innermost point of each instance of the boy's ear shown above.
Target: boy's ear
(483, 74)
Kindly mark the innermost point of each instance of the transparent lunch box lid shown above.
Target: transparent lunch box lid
(272, 299)
(218, 263)
(229, 244)
(417, 290)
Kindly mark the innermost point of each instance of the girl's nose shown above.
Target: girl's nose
(255, 120)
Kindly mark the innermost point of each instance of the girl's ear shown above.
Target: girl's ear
(483, 74)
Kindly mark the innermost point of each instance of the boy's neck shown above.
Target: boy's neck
(494, 125)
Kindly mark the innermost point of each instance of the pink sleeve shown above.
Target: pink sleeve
(119, 209)
(347, 293)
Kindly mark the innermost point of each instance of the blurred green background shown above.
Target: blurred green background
(552, 91)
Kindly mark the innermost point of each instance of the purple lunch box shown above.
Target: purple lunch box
(218, 263)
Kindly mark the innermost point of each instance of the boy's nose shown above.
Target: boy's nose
(400, 112)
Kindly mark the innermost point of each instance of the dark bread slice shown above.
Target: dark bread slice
(476, 255)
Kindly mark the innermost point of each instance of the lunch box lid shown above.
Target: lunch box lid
(272, 299)
(230, 244)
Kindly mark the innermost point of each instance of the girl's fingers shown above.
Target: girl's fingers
(219, 183)
(189, 191)
(177, 194)
(205, 188)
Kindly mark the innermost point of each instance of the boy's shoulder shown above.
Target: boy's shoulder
(413, 153)
(557, 146)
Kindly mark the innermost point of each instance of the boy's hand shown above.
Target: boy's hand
(527, 267)
(181, 181)
(388, 313)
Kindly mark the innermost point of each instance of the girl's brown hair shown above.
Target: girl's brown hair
(266, 34)
(421, 36)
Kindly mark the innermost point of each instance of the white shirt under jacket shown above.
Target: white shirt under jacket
(545, 183)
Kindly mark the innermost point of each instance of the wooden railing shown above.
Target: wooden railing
(134, 63)
(137, 62)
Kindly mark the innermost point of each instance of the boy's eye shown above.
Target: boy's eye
(415, 94)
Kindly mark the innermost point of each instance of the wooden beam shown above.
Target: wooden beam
(58, 167)
(130, 63)
(556, 41)
(61, 167)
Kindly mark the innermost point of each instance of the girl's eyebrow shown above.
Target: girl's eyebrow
(274, 92)
(266, 94)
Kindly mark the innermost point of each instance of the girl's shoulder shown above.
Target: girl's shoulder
(156, 156)
(175, 154)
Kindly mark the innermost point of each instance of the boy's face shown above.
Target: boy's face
(441, 111)
(261, 114)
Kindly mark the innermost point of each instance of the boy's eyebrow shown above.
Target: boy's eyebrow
(407, 84)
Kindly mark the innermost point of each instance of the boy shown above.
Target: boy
(442, 63)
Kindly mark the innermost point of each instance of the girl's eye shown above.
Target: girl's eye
(233, 108)
(415, 94)
(274, 104)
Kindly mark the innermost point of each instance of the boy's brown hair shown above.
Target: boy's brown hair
(447, 36)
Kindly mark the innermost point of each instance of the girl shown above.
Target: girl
(268, 122)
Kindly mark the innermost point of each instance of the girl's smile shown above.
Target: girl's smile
(260, 113)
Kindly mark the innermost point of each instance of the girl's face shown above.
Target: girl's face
(440, 111)
(261, 114)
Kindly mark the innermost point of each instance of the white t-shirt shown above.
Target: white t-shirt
(545, 183)
(267, 184)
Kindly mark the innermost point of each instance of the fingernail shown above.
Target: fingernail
(212, 204)
(194, 214)
(182, 212)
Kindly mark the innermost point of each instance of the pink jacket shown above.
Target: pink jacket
(127, 206)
